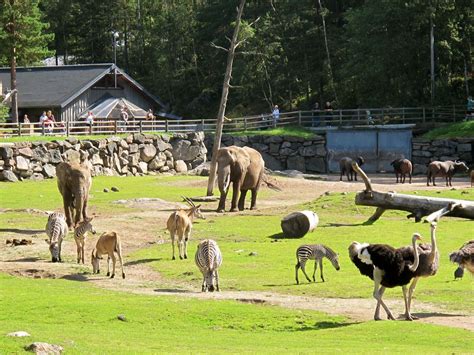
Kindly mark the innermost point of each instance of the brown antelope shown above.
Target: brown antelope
(180, 224)
(108, 243)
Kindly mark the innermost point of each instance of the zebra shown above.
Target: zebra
(80, 233)
(56, 229)
(208, 258)
(314, 252)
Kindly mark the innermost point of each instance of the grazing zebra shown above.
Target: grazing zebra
(314, 252)
(56, 229)
(208, 259)
(80, 233)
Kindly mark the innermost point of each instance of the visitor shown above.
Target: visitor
(90, 120)
(275, 114)
(149, 115)
(328, 112)
(316, 121)
(124, 118)
(42, 118)
(470, 108)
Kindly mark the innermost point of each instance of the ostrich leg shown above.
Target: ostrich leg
(378, 293)
(410, 294)
(407, 306)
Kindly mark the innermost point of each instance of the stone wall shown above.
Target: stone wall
(135, 155)
(282, 152)
(426, 150)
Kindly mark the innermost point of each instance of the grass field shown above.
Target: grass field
(82, 317)
(455, 130)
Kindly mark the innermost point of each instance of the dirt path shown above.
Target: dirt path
(30, 261)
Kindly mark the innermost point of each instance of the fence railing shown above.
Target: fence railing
(315, 119)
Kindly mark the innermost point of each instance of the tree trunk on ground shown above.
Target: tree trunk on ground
(223, 104)
(418, 206)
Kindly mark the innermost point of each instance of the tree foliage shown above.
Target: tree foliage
(379, 49)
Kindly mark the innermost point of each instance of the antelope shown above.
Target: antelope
(108, 243)
(180, 224)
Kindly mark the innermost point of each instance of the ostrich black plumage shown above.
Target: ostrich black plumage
(464, 257)
(387, 267)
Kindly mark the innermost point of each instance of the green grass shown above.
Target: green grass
(455, 130)
(293, 131)
(45, 195)
(83, 319)
(273, 268)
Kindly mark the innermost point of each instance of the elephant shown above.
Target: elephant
(74, 183)
(244, 168)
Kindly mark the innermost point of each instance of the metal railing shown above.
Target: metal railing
(315, 119)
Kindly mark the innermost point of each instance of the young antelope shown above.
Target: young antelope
(314, 252)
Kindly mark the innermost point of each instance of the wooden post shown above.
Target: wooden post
(245, 123)
(202, 124)
(454, 113)
(424, 114)
(340, 117)
(115, 127)
(299, 118)
(19, 128)
(140, 126)
(42, 129)
(90, 130)
(166, 126)
(403, 114)
(67, 128)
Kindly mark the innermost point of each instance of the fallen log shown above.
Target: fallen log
(418, 206)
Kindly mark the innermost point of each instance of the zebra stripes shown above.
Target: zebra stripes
(208, 258)
(80, 233)
(314, 252)
(56, 230)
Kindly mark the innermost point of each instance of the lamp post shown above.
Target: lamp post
(115, 35)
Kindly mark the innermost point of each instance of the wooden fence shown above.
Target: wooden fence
(316, 119)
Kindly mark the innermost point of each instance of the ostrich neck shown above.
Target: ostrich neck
(434, 247)
(417, 257)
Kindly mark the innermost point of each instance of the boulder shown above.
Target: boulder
(37, 176)
(6, 153)
(296, 163)
(147, 153)
(183, 150)
(139, 138)
(156, 164)
(22, 164)
(8, 175)
(97, 160)
(49, 170)
(316, 164)
(142, 167)
(26, 152)
(111, 147)
(161, 145)
(180, 166)
(420, 169)
(44, 348)
(271, 162)
(309, 151)
(19, 334)
(133, 148)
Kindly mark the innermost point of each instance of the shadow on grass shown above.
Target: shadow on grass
(171, 290)
(32, 259)
(366, 223)
(321, 325)
(438, 314)
(22, 231)
(141, 261)
(281, 235)
(76, 277)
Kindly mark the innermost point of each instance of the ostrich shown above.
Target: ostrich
(387, 266)
(428, 265)
(464, 257)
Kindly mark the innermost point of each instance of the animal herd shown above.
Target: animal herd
(243, 168)
(403, 167)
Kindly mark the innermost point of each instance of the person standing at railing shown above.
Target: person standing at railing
(328, 112)
(27, 124)
(275, 114)
(90, 121)
(316, 119)
(470, 108)
(124, 119)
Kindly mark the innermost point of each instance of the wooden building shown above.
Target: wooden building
(70, 91)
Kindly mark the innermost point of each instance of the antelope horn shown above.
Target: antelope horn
(189, 201)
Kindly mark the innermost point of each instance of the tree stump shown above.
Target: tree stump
(297, 224)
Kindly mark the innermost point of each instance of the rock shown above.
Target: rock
(19, 334)
(139, 138)
(123, 144)
(308, 151)
(133, 160)
(27, 152)
(114, 189)
(180, 166)
(316, 164)
(22, 163)
(55, 156)
(162, 145)
(133, 148)
(147, 153)
(49, 170)
(183, 150)
(164, 169)
(142, 167)
(156, 164)
(8, 175)
(122, 317)
(419, 169)
(296, 163)
(464, 148)
(327, 193)
(297, 224)
(253, 253)
(271, 162)
(37, 177)
(273, 139)
(97, 160)
(6, 153)
(44, 348)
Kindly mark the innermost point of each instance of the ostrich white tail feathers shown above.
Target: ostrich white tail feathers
(360, 250)
(364, 256)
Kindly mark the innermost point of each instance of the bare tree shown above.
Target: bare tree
(225, 92)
